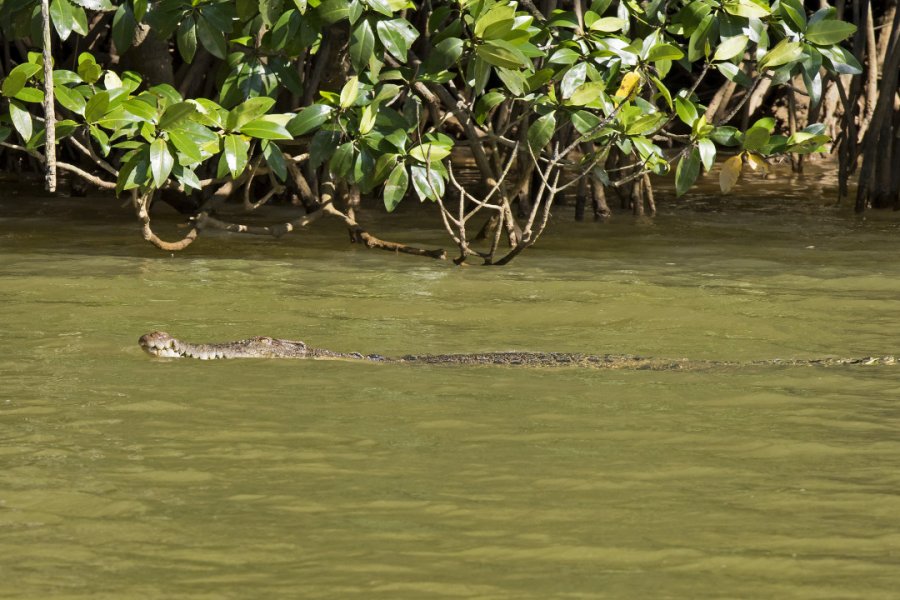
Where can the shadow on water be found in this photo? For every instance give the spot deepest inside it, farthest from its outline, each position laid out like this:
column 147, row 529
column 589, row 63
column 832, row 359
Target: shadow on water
column 122, row 476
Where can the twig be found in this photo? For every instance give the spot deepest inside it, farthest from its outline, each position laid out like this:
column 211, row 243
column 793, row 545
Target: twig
column 88, row 151
column 100, row 183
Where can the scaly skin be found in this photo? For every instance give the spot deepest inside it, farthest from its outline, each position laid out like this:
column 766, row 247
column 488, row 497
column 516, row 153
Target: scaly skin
column 161, row 344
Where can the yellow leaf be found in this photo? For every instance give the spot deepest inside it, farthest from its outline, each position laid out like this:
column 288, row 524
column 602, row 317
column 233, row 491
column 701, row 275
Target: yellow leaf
column 629, row 87
column 757, row 162
column 731, row 172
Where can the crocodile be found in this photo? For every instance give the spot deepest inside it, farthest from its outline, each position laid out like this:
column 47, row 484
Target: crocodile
column 161, row 344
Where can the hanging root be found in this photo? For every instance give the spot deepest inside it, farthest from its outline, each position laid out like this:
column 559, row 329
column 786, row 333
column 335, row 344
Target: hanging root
column 142, row 207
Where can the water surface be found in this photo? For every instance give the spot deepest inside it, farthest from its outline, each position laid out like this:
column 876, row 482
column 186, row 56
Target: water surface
column 122, row 476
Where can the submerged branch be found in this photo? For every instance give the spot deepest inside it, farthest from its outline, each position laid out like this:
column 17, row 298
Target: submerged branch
column 358, row 234
column 204, row 221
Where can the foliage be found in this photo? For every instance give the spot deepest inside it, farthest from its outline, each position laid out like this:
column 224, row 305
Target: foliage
column 539, row 99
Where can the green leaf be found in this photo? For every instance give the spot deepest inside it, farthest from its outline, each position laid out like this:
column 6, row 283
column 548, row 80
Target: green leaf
column 784, row 52
column 587, row 93
column 332, row 11
column 842, row 60
column 645, row 124
column 664, row 52
column 136, row 171
column 767, row 123
column 541, row 131
column 270, row 10
column 140, row 109
column 826, row 33
column 104, row 5
column 564, row 56
column 501, row 53
column 687, row 172
column 572, row 80
column 187, row 177
column 21, row 119
column 584, row 122
column 140, row 9
column 485, row 103
column 88, row 68
column 687, row 110
column 795, row 12
column 62, row 77
column 96, row 107
column 746, row 8
column 30, row 94
column 101, row 138
column 383, row 167
column 322, row 147
column 161, row 162
column 755, row 138
column 17, row 78
column 187, row 39
column 382, row 6
column 430, row 152
column 266, row 128
column 812, row 77
column 123, row 27
column 663, row 91
column 65, row 128
column 395, row 188
column 362, row 45
column 62, row 14
column 212, row 39
column 608, row 24
column 247, row 111
column 275, row 160
column 80, row 20
column 367, row 120
column 807, row 138
column 725, row 135
column 349, row 92
column 363, row 166
column 697, row 44
column 387, row 91
column 397, row 35
column 341, row 163
column 70, row 99
column 209, row 113
column 175, row 114
column 513, row 80
column 732, row 72
column 499, row 13
column 732, row 47
column 427, row 182
column 311, row 117
column 444, row 55
column 186, row 146
column 235, row 149
column 707, row 153
column 499, row 30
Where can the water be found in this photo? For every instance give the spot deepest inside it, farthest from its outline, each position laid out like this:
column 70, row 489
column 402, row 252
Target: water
column 126, row 477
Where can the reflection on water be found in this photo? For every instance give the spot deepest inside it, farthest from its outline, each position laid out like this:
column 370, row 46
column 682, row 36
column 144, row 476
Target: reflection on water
column 128, row 477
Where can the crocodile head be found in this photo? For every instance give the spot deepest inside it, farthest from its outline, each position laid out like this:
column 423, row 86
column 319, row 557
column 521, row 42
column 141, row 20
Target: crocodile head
column 160, row 343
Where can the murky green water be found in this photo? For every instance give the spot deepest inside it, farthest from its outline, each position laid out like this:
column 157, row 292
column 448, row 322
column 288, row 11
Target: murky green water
column 126, row 477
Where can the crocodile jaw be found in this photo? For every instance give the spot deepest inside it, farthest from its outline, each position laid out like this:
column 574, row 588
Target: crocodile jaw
column 161, row 344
